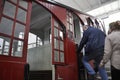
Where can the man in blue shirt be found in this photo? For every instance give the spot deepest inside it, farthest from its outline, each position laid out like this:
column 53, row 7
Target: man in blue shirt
column 93, row 41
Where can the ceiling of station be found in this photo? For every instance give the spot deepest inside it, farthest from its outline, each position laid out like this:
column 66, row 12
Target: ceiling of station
column 106, row 10
column 92, row 7
column 88, row 5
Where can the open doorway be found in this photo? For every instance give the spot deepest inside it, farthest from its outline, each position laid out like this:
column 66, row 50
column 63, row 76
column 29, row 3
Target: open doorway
column 77, row 29
column 78, row 33
column 39, row 55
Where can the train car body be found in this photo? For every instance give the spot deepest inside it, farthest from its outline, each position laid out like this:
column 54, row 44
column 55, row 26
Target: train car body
column 49, row 56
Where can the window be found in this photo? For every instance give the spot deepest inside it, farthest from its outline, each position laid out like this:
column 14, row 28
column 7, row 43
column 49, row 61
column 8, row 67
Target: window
column 70, row 26
column 58, row 43
column 17, row 48
column 6, row 26
column 34, row 41
column 89, row 21
column 4, row 45
column 12, row 27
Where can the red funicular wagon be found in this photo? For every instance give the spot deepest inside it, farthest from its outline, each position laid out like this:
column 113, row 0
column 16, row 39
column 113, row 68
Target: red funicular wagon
column 51, row 53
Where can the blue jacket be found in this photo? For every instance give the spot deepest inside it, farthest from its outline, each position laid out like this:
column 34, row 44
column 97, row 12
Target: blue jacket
column 93, row 39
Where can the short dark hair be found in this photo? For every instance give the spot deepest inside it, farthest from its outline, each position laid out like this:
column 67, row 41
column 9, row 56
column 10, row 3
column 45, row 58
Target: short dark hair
column 114, row 26
column 117, row 25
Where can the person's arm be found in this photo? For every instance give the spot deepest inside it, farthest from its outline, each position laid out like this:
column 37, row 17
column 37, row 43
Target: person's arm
column 83, row 41
column 107, row 52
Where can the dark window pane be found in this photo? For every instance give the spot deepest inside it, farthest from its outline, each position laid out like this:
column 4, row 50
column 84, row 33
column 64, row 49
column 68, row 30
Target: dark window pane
column 9, row 9
column 6, row 26
column 23, row 4
column 19, row 31
column 21, row 16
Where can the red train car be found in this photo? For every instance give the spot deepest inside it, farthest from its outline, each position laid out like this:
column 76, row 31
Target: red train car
column 51, row 53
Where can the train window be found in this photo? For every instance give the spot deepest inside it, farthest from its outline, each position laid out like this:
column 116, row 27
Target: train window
column 6, row 26
column 4, row 45
column 19, row 31
column 17, row 48
column 21, row 16
column 70, row 26
column 61, row 35
column 9, row 9
column 62, row 57
column 15, row 1
column 101, row 23
column 55, row 32
column 97, row 24
column 56, row 56
column 78, row 23
column 23, row 4
column 89, row 21
column 70, row 35
column 55, row 24
column 61, row 46
column 34, row 41
column 58, row 43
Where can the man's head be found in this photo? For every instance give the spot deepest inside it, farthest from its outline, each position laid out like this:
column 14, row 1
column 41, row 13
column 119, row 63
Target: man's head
column 114, row 26
column 85, row 27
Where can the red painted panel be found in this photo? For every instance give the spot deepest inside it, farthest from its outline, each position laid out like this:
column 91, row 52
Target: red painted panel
column 81, row 16
column 11, row 71
column 68, row 72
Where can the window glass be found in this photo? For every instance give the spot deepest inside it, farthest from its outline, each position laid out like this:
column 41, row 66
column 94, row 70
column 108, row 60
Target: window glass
column 61, row 57
column 67, row 18
column 4, row 45
column 31, row 40
column 71, row 28
column 55, row 32
column 71, row 20
column 70, row 35
column 68, row 26
column 50, row 38
column 21, row 16
column 17, row 48
column 56, row 56
column 15, row 1
column 23, row 4
column 19, row 31
column 9, row 9
column 61, row 45
column 61, row 35
column 6, row 26
column 56, row 44
column 34, row 41
column 69, row 14
column 38, row 42
column 55, row 24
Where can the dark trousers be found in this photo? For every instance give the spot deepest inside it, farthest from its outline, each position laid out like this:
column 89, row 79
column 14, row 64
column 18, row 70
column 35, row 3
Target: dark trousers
column 115, row 73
